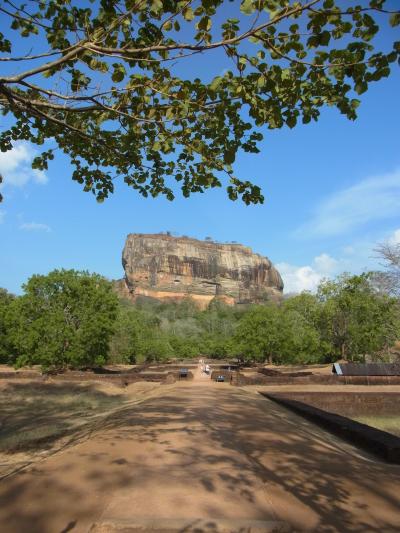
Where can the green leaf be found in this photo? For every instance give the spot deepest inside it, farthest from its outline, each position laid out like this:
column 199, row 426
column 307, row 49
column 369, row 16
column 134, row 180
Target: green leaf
column 361, row 87
column 324, row 38
column 204, row 23
column 215, row 83
column 247, row 7
column 229, row 156
column 168, row 25
column 119, row 73
column 188, row 14
column 291, row 121
column 394, row 19
column 156, row 6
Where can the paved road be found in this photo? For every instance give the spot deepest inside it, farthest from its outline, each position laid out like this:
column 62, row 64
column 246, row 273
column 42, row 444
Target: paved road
column 212, row 458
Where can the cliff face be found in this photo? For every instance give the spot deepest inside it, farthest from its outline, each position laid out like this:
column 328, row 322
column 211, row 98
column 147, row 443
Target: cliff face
column 162, row 266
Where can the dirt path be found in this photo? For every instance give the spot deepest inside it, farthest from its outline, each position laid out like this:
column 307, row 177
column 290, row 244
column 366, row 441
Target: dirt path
column 212, row 458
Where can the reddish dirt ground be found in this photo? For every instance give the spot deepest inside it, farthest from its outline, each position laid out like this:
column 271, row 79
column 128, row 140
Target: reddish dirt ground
column 208, row 458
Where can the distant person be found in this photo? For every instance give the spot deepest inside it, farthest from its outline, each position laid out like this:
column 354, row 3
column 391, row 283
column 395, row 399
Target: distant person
column 208, row 368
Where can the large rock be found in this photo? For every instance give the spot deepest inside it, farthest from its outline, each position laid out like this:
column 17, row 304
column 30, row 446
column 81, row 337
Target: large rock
column 161, row 266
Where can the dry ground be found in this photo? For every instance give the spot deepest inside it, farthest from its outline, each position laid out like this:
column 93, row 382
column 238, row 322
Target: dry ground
column 203, row 457
column 40, row 418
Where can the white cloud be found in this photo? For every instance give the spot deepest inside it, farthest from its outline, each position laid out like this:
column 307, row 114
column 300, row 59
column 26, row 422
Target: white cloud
column 357, row 257
column 35, row 226
column 308, row 277
column 326, row 264
column 15, row 166
column 298, row 279
column 395, row 237
column 374, row 198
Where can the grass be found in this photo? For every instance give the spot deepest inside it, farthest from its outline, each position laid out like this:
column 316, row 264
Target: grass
column 34, row 415
column 389, row 423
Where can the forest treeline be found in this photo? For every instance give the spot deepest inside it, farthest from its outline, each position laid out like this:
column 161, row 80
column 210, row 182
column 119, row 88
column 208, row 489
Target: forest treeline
column 71, row 319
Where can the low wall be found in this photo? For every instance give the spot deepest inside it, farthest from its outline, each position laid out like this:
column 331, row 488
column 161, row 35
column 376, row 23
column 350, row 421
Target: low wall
column 350, row 403
column 302, row 379
column 226, row 373
column 383, row 444
column 121, row 379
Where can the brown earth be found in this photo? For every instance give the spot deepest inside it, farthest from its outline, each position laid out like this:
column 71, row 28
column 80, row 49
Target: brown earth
column 204, row 457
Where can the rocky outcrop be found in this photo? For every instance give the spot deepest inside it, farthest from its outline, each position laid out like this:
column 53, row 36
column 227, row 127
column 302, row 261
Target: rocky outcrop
column 162, row 266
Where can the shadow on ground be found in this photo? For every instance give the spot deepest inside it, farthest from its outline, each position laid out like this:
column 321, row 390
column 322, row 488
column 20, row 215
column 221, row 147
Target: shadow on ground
column 34, row 415
column 205, row 453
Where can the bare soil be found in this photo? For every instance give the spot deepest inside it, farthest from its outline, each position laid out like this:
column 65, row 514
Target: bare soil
column 38, row 419
column 203, row 456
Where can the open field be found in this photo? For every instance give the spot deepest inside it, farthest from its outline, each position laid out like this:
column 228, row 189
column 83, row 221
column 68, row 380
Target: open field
column 33, row 415
column 38, row 419
column 391, row 424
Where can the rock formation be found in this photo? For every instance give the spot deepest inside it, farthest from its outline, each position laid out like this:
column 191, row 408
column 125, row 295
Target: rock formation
column 162, row 266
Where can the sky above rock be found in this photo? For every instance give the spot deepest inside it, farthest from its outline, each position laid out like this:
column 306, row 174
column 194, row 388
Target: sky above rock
column 332, row 192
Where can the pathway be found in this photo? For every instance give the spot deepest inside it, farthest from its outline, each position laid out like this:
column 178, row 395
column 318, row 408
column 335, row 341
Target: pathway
column 214, row 459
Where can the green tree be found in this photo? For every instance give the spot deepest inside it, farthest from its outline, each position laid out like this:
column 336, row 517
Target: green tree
column 311, row 310
column 184, row 347
column 258, row 334
column 299, row 339
column 6, row 347
column 357, row 319
column 126, row 341
column 64, row 319
column 103, row 82
column 154, row 348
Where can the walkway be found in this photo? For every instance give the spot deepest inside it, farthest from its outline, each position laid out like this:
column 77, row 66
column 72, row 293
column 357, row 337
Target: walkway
column 213, row 458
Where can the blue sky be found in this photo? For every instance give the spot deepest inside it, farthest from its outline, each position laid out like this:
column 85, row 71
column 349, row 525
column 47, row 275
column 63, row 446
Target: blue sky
column 332, row 192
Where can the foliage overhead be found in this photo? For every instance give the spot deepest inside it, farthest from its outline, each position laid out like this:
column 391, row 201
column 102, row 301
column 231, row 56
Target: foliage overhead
column 103, row 82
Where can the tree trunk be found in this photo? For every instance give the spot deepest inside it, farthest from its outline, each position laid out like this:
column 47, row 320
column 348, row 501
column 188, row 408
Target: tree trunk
column 270, row 362
column 343, row 351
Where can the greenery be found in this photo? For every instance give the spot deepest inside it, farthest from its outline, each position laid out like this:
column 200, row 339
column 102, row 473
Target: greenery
column 355, row 318
column 6, row 347
column 71, row 319
column 103, row 82
column 64, row 319
column 347, row 318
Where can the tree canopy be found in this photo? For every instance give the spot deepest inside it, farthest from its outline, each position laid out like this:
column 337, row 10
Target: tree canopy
column 6, row 348
column 70, row 319
column 63, row 319
column 104, row 81
column 355, row 318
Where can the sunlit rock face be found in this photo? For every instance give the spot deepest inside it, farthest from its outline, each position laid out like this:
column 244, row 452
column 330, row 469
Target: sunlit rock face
column 162, row 266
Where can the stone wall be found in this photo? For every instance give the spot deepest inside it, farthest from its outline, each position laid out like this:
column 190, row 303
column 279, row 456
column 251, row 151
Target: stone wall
column 261, row 379
column 381, row 443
